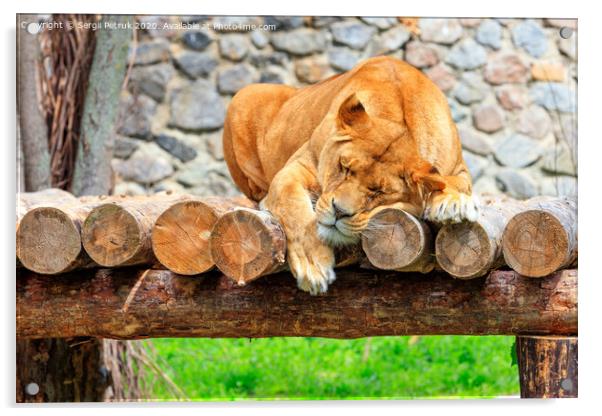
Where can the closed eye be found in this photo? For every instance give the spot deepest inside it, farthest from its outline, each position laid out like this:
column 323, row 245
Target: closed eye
column 375, row 190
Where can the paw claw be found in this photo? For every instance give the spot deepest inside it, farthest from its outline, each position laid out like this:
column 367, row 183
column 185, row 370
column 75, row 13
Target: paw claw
column 452, row 208
column 312, row 267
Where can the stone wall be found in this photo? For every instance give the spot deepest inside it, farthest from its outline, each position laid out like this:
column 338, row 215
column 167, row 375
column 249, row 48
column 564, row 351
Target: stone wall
column 511, row 85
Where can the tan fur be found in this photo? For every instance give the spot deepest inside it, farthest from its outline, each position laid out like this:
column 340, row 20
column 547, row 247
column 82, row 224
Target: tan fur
column 377, row 135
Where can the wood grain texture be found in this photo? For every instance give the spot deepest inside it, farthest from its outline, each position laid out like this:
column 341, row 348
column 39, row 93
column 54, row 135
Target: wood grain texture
column 547, row 366
column 543, row 238
column 139, row 303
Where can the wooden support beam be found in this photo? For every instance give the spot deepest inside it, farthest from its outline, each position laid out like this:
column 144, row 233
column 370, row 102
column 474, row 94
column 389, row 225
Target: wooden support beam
column 543, row 238
column 180, row 236
column 547, row 366
column 134, row 303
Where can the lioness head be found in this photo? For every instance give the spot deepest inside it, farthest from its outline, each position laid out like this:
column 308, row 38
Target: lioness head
column 369, row 162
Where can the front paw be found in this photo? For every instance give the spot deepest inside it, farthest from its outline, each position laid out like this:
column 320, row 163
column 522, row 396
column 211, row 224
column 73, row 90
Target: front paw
column 312, row 264
column 451, row 207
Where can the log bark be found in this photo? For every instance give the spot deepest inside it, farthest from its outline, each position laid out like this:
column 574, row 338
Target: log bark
column 92, row 174
column 118, row 233
column 396, row 240
column 32, row 129
column 547, row 366
column 543, row 238
column 47, row 197
column 134, row 303
column 180, row 236
column 471, row 249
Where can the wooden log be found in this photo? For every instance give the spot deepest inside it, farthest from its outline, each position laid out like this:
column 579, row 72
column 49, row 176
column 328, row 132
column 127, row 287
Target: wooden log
column 543, row 238
column 247, row 243
column 180, row 236
column 118, row 233
column 396, row 240
column 49, row 234
column 471, row 249
column 133, row 303
column 547, row 366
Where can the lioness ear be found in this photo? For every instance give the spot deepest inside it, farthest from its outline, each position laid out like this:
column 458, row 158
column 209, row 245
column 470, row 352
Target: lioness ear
column 351, row 113
column 427, row 176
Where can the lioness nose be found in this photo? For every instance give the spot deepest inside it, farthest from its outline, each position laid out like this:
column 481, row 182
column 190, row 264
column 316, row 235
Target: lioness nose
column 338, row 212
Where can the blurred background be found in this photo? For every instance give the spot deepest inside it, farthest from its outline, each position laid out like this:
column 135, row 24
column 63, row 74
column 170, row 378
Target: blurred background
column 512, row 89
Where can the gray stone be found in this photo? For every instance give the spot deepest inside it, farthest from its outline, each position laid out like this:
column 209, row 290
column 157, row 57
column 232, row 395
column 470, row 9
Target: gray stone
column 168, row 185
column 303, row 41
column 342, row 58
column 259, row 39
column 311, row 69
column 215, row 184
column 534, row 122
column 234, row 23
column 215, row 145
column 470, row 21
column 531, row 37
column 149, row 52
column 561, row 159
column 420, row 55
column 129, row 189
column 518, row 151
column 444, row 31
column 323, row 21
column 389, row 41
column 475, row 164
column 474, row 141
column 196, row 64
column 559, row 186
column 442, row 76
column 471, row 89
column 512, row 96
column 485, row 185
column 380, row 22
column 516, row 184
column 488, row 118
column 274, row 75
column 194, row 173
column 156, row 27
column 565, row 129
column 568, row 46
column 232, row 79
column 151, row 80
column 175, row 147
column 197, row 40
column 489, row 34
column 124, row 147
column 467, row 54
column 145, row 166
column 233, row 46
column 284, row 22
column 554, row 96
column 136, row 116
column 261, row 60
column 506, row 68
column 197, row 106
column 354, row 34
column 560, row 23
column 458, row 112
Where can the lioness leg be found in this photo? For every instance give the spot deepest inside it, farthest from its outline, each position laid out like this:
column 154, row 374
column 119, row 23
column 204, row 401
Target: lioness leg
column 455, row 203
column 289, row 199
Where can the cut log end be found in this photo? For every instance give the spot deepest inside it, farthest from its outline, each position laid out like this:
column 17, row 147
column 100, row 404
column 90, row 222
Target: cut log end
column 246, row 244
column 535, row 243
column 48, row 241
column 464, row 250
column 180, row 237
column 394, row 239
column 111, row 235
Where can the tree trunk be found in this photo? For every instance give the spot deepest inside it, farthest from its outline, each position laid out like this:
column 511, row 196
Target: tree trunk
column 543, row 238
column 93, row 174
column 32, row 127
column 180, row 236
column 547, row 366
column 471, row 249
column 135, row 303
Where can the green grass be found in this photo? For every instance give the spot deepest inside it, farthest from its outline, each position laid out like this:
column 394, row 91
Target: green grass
column 318, row 368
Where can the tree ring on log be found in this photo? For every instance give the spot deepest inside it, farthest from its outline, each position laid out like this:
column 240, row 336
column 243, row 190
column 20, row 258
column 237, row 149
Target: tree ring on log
column 48, row 241
column 464, row 249
column 535, row 243
column 180, row 237
column 111, row 235
column 393, row 239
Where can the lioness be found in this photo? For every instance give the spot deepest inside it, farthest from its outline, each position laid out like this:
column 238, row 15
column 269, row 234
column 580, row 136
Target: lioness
column 322, row 159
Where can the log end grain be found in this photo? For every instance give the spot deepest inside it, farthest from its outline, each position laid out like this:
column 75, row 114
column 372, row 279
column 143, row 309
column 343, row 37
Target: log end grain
column 246, row 244
column 464, row 250
column 111, row 235
column 180, row 237
column 394, row 239
column 48, row 241
column 535, row 243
